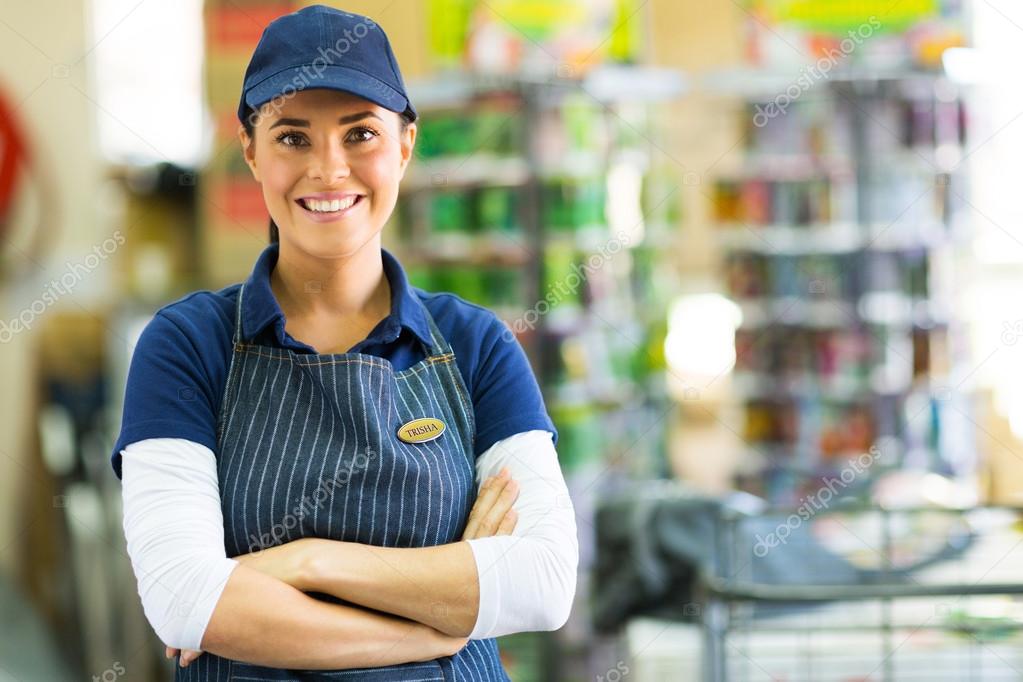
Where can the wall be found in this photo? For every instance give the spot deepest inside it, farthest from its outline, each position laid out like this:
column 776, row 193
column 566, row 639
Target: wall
column 44, row 67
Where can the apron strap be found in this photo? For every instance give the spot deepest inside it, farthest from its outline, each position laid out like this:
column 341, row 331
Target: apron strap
column 440, row 344
column 238, row 316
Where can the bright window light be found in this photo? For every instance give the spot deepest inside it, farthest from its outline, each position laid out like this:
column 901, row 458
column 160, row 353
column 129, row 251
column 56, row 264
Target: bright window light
column 701, row 336
column 147, row 65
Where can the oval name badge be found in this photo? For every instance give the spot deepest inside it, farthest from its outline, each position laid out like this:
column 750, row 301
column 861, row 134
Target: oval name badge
column 421, row 430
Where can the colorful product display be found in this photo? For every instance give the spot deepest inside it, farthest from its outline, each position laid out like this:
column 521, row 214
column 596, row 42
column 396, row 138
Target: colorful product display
column 573, row 203
column 530, row 245
column 845, row 276
column 490, row 286
column 516, row 36
column 765, row 202
column 781, row 33
column 487, row 129
column 843, row 342
column 811, row 431
column 814, row 358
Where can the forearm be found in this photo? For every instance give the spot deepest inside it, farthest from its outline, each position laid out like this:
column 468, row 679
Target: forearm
column 284, row 628
column 485, row 587
column 436, row 586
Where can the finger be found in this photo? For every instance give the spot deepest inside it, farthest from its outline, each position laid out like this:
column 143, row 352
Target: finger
column 486, row 499
column 484, row 502
column 492, row 519
column 508, row 523
column 171, row 652
column 189, row 655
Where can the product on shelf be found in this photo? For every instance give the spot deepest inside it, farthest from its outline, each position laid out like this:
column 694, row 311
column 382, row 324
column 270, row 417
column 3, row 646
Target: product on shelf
column 772, row 202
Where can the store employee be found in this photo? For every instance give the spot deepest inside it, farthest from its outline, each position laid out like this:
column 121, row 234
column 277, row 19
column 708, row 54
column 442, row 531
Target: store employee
column 326, row 428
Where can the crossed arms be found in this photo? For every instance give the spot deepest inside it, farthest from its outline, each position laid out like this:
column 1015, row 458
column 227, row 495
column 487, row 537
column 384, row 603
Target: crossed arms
column 513, row 570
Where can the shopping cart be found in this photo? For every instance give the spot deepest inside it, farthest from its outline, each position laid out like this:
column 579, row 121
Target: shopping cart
column 864, row 594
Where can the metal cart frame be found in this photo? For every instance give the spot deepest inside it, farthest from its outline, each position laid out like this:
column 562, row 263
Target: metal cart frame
column 720, row 591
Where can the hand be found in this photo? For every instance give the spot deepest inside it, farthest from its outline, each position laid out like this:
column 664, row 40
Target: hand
column 187, row 656
column 492, row 514
column 442, row 644
column 289, row 563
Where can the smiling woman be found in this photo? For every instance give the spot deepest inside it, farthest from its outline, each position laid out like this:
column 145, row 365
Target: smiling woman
column 325, row 468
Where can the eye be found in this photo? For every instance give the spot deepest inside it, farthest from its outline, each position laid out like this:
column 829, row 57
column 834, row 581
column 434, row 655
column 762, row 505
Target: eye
column 290, row 138
column 361, row 134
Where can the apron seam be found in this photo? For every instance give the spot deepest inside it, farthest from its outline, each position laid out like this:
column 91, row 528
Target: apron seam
column 420, row 366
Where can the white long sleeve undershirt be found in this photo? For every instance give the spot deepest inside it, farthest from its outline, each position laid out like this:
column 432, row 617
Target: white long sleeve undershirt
column 173, row 525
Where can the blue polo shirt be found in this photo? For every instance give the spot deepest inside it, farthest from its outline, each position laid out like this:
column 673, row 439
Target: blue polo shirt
column 179, row 367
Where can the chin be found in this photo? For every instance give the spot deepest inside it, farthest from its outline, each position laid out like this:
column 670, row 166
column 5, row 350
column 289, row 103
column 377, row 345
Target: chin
column 335, row 243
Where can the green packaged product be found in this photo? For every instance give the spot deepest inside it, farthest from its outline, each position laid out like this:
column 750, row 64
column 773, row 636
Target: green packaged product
column 450, row 212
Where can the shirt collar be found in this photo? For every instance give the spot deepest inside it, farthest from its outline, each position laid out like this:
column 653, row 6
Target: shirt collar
column 260, row 308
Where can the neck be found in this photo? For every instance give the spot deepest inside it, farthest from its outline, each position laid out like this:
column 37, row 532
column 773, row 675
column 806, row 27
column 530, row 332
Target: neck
column 351, row 286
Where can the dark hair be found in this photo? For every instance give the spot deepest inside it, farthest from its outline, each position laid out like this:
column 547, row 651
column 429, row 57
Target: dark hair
column 249, row 126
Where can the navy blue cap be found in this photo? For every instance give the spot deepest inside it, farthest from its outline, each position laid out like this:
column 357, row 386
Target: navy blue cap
column 323, row 47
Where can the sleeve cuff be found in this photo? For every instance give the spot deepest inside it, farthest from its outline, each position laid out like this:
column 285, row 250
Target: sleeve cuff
column 158, row 428
column 488, row 553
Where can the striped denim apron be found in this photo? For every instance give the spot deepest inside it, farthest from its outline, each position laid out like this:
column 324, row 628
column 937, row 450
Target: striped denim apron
column 308, row 448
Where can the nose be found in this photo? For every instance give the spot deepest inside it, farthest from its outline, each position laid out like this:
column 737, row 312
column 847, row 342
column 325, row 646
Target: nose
column 329, row 165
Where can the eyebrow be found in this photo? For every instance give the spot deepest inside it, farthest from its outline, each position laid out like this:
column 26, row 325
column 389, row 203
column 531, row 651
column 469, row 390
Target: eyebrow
column 302, row 123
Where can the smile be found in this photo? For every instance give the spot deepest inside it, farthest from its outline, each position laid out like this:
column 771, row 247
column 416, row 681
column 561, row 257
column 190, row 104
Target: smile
column 321, row 211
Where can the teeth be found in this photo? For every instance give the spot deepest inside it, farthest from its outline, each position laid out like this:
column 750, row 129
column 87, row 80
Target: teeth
column 329, row 206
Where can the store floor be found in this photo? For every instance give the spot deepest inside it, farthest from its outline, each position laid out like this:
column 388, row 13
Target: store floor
column 27, row 652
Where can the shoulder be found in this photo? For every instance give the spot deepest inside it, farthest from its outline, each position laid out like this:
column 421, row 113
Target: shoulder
column 195, row 329
column 178, row 371
column 483, row 344
column 478, row 337
column 457, row 317
column 202, row 312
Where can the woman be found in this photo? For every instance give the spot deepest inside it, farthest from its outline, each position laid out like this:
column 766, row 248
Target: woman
column 325, row 468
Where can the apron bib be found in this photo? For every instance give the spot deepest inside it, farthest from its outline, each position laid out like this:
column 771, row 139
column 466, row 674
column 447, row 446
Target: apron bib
column 308, row 447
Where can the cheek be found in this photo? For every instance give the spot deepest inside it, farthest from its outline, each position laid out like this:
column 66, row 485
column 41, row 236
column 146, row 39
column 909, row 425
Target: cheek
column 279, row 177
column 381, row 174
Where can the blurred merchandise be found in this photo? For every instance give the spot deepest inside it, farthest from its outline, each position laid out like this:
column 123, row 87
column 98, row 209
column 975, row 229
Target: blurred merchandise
column 837, row 235
column 867, row 32
column 524, row 36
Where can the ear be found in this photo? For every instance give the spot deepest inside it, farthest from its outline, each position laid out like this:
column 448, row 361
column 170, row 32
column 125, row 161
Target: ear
column 408, row 143
column 248, row 150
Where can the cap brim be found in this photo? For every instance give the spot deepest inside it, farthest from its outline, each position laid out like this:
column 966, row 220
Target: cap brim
column 330, row 77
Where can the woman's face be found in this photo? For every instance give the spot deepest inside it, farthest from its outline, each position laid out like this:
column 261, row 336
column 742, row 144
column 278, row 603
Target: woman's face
column 329, row 163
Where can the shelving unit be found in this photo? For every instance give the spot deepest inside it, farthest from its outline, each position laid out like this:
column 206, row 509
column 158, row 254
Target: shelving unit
column 837, row 237
column 519, row 185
